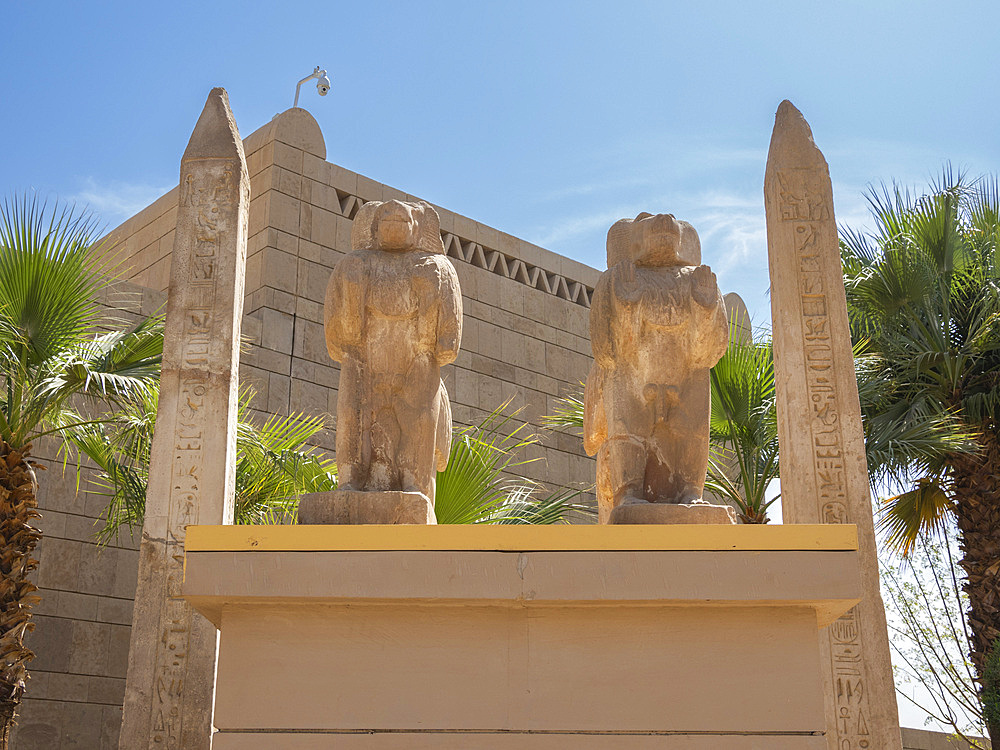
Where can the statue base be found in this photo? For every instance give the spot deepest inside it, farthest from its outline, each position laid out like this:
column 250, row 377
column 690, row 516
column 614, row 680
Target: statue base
column 351, row 507
column 366, row 635
column 655, row 513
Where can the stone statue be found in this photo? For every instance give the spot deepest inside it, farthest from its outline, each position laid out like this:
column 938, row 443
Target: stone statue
column 393, row 318
column 657, row 326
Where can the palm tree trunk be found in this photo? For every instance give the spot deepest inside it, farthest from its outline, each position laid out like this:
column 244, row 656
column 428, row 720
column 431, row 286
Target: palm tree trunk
column 18, row 537
column 977, row 509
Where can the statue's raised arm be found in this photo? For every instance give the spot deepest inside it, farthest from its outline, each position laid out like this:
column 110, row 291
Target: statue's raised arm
column 449, row 325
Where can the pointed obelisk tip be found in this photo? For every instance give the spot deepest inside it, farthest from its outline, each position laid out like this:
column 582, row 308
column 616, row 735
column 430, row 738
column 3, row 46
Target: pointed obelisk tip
column 788, row 118
column 215, row 135
column 786, row 109
column 792, row 137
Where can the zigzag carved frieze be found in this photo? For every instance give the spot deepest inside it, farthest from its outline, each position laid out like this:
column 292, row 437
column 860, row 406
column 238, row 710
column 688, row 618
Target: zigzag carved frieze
column 494, row 261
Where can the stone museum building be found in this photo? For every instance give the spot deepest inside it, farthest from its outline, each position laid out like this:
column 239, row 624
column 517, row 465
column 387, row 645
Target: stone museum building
column 524, row 337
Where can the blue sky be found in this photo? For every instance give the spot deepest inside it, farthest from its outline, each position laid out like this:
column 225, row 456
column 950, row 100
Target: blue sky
column 548, row 120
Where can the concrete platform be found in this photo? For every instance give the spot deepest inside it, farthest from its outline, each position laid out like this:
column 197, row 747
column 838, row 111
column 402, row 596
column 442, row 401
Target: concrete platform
column 387, row 638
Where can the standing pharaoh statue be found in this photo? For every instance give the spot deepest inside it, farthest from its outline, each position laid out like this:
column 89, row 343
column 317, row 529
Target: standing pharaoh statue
column 393, row 319
column 657, row 326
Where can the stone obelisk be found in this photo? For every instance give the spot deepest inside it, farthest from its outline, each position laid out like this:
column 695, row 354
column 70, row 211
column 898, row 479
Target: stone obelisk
column 171, row 673
column 824, row 476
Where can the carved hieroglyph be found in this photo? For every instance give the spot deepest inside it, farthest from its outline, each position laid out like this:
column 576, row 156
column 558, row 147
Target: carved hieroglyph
column 657, row 325
column 393, row 319
column 824, row 476
column 172, row 656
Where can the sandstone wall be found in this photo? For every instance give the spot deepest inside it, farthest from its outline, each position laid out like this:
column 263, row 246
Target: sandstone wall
column 525, row 337
column 526, row 309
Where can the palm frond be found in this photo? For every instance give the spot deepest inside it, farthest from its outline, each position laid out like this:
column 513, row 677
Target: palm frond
column 924, row 288
column 50, row 273
column 117, row 366
column 51, row 347
column 480, row 484
column 920, row 511
column 274, row 463
column 568, row 413
column 523, row 506
column 743, row 460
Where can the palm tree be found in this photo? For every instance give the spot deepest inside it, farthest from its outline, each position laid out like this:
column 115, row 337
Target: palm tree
column 923, row 292
column 744, row 428
column 52, row 349
column 274, row 463
column 481, row 485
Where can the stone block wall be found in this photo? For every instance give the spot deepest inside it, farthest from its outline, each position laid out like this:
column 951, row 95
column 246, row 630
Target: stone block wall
column 526, row 309
column 525, row 336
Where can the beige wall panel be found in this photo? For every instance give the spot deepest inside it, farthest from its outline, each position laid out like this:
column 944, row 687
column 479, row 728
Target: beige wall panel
column 922, row 739
column 559, row 668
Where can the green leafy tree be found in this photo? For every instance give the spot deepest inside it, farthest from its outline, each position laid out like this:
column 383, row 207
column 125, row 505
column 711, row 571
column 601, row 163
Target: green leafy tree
column 929, row 637
column 57, row 359
column 923, row 293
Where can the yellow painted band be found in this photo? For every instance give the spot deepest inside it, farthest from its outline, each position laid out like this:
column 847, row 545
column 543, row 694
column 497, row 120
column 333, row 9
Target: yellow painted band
column 558, row 538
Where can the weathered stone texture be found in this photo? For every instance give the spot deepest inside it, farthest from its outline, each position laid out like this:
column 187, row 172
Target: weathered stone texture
column 819, row 423
column 170, row 682
column 353, row 507
column 657, row 326
column 392, row 319
column 526, row 309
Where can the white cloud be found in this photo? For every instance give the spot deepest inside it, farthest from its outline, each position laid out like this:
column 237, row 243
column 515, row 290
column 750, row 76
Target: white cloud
column 732, row 239
column 569, row 228
column 728, row 199
column 114, row 202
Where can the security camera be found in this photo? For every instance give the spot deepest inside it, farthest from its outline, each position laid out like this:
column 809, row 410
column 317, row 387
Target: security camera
column 322, row 84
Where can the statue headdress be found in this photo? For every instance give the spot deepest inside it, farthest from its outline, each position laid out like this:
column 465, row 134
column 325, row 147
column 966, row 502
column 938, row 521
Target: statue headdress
column 620, row 241
column 430, row 227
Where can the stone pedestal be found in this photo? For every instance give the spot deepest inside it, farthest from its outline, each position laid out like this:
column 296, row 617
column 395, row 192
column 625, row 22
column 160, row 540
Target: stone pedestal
column 642, row 513
column 351, row 508
column 502, row 637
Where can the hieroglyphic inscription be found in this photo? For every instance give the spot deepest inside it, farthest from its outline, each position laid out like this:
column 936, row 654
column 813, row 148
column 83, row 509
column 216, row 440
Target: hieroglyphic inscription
column 202, row 199
column 804, row 211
